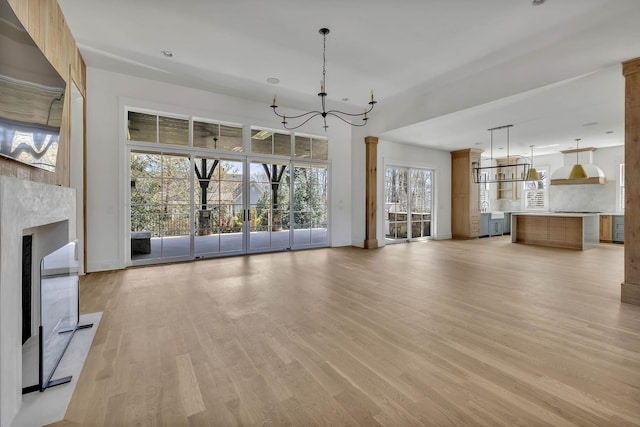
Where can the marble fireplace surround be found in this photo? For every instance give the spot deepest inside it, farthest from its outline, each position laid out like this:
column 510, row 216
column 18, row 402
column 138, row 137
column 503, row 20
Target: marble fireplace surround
column 49, row 213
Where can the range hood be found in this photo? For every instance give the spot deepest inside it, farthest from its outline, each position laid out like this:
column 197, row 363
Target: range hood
column 595, row 175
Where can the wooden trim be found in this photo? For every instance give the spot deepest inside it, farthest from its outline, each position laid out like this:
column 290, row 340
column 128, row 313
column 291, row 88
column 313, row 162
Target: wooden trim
column 579, row 150
column 371, row 241
column 630, row 293
column 631, row 66
column 45, row 23
column 631, row 286
column 593, row 180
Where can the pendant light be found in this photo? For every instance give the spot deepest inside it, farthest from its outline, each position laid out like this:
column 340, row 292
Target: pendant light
column 532, row 174
column 514, row 169
column 577, row 171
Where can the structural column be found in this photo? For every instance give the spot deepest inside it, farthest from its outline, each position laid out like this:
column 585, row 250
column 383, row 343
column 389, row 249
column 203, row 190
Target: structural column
column 631, row 285
column 371, row 242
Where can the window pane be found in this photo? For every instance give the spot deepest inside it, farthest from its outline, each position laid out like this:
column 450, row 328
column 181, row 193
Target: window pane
column 320, row 149
column 535, row 192
column 230, row 138
column 173, row 131
column 282, row 144
column 205, row 135
column 142, row 127
column 303, row 147
column 261, row 142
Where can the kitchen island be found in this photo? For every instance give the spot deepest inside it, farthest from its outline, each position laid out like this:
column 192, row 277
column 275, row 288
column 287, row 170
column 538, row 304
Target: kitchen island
column 579, row 231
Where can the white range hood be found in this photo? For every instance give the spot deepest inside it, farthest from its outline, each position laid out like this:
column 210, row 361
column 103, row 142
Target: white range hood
column 595, row 175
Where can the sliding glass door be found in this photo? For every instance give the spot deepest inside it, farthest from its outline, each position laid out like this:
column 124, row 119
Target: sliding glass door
column 269, row 201
column 218, row 207
column 160, row 206
column 309, row 205
column 408, row 203
column 199, row 189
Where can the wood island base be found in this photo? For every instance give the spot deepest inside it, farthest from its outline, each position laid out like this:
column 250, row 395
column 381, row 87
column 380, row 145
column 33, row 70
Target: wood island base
column 559, row 230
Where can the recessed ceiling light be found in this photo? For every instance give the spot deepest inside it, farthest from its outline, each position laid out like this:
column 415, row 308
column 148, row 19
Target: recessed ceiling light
column 167, row 53
column 537, row 2
column 477, row 143
column 273, row 80
column 590, row 124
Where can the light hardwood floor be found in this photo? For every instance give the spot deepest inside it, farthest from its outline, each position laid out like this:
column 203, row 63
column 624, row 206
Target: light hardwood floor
column 481, row 332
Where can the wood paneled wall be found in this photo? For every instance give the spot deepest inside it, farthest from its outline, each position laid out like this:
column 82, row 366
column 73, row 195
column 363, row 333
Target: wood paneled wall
column 45, row 22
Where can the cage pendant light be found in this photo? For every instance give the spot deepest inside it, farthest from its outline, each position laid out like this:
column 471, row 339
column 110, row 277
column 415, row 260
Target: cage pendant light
column 577, row 171
column 532, row 174
column 513, row 170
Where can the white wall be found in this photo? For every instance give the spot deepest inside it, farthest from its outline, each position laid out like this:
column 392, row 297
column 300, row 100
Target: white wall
column 108, row 92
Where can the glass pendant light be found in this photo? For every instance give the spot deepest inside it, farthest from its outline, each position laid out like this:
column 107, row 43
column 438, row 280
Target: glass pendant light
column 532, row 174
column 577, row 171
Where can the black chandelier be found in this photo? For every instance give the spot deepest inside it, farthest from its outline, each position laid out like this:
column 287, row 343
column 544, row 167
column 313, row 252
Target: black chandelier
column 323, row 94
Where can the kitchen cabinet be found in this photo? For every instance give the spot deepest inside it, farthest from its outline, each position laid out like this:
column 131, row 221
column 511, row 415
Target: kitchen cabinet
column 606, row 228
column 506, row 227
column 495, row 227
column 465, row 194
column 485, row 217
column 507, row 190
column 618, row 228
column 491, row 226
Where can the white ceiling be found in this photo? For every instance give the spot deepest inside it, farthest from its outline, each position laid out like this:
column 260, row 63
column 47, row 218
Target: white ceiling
column 555, row 67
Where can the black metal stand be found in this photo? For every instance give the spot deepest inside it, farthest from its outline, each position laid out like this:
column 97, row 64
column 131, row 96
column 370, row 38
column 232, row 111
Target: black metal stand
column 59, row 381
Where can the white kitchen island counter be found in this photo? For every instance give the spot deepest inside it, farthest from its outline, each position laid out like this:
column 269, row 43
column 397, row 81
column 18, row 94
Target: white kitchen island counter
column 561, row 230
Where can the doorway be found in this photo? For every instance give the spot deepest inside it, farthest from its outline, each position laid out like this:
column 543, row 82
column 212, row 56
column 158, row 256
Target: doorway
column 408, row 204
column 185, row 207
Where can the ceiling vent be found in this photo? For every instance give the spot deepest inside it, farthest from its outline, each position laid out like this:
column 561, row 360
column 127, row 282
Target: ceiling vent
column 595, row 175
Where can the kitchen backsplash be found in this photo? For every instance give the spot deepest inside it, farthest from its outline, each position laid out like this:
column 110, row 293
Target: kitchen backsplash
column 585, row 197
column 582, row 198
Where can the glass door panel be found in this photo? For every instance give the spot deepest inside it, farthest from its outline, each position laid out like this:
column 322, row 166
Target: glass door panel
column 396, row 220
column 269, row 199
column 310, row 205
column 218, row 206
column 160, row 206
column 421, row 185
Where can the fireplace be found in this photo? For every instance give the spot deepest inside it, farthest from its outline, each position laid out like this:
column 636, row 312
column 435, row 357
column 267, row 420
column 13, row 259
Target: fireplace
column 47, row 213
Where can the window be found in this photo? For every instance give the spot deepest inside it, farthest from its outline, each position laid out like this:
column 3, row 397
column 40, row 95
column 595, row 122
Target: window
column 311, row 148
column 535, row 192
column 269, row 142
column 143, row 127
column 621, row 186
column 217, row 136
column 484, row 193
